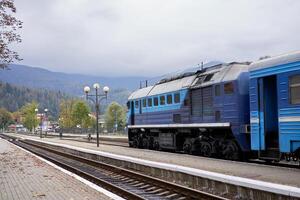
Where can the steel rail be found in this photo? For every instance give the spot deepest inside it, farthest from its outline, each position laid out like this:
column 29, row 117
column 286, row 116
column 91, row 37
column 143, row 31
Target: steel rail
column 182, row 191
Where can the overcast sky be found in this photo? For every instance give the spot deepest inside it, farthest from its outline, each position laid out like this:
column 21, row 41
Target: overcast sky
column 154, row 37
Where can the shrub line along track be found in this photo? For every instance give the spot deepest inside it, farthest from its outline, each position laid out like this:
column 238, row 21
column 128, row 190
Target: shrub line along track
column 123, row 182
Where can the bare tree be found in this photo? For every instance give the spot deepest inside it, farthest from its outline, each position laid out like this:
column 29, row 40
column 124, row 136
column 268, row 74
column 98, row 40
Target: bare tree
column 8, row 32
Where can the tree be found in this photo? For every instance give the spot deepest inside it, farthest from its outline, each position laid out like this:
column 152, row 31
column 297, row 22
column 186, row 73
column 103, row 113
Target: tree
column 29, row 118
column 17, row 116
column 8, row 32
column 65, row 115
column 5, row 118
column 74, row 112
column 13, row 97
column 115, row 114
column 80, row 114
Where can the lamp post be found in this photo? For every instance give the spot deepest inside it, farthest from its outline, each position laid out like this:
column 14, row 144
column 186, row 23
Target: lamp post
column 45, row 117
column 116, row 120
column 36, row 112
column 41, row 120
column 96, row 98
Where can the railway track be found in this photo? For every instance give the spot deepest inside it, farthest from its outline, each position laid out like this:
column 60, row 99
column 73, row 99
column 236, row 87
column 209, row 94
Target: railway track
column 125, row 183
column 292, row 165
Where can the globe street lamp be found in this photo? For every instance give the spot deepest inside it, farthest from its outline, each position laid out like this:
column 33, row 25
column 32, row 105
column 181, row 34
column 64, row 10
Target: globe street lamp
column 96, row 101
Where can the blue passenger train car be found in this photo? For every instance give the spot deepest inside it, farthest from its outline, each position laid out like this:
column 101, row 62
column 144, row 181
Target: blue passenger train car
column 275, row 107
column 204, row 112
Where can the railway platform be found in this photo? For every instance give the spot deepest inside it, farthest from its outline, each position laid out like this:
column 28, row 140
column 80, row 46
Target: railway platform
column 194, row 171
column 24, row 176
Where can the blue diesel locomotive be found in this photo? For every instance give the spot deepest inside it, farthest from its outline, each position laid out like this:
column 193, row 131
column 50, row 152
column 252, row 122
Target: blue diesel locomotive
column 207, row 112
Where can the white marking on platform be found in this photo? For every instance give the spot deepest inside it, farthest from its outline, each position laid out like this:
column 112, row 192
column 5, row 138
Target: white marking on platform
column 90, row 184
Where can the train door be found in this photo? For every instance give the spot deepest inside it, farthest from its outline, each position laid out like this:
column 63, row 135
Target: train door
column 132, row 113
column 268, row 117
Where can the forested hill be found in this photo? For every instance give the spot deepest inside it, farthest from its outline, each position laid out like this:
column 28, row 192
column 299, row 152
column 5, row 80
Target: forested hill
column 71, row 84
column 34, row 77
column 14, row 97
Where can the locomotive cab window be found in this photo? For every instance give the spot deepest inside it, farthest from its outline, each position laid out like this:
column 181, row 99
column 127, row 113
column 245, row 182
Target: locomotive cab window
column 144, row 103
column 228, row 88
column 217, row 90
column 294, row 85
column 149, row 102
column 162, row 100
column 136, row 104
column 176, row 97
column 155, row 101
column 169, row 99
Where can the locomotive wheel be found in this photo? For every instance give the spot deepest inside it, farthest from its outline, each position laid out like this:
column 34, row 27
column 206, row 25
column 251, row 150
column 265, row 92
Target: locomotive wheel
column 156, row 145
column 151, row 143
column 145, row 144
column 187, row 148
column 134, row 142
column 230, row 150
column 139, row 142
column 206, row 149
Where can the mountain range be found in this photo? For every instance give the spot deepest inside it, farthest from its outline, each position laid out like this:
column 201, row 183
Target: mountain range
column 73, row 84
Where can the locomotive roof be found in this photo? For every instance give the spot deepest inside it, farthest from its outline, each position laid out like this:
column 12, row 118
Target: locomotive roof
column 171, row 86
column 140, row 93
column 226, row 72
column 276, row 60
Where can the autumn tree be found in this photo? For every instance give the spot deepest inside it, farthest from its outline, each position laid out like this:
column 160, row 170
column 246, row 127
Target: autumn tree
column 65, row 115
column 29, row 118
column 73, row 113
column 5, row 118
column 80, row 114
column 8, row 32
column 17, row 116
column 115, row 114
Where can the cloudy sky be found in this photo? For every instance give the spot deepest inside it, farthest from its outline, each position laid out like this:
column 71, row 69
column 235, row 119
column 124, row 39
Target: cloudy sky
column 153, row 37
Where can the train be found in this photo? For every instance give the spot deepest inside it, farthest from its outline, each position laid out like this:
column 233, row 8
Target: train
column 234, row 111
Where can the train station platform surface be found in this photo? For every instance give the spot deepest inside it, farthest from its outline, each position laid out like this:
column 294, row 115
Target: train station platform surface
column 249, row 171
column 24, row 176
